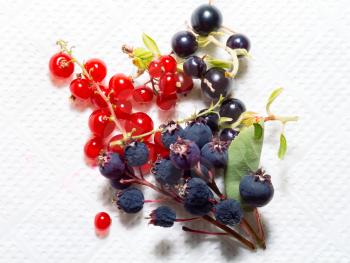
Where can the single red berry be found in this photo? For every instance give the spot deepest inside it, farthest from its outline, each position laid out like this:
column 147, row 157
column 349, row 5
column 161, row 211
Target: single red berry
column 141, row 122
column 61, row 66
column 169, row 64
column 122, row 109
column 155, row 69
column 158, row 139
column 184, row 83
column 97, row 99
column 167, row 84
column 143, row 94
column 116, row 148
column 122, row 86
column 93, row 147
column 102, row 221
column 100, row 123
column 81, row 88
column 96, row 68
column 152, row 157
column 159, row 146
column 166, row 102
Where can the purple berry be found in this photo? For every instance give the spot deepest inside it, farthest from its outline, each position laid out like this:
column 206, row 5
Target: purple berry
column 136, row 153
column 198, row 197
column 130, row 200
column 116, row 184
column 198, row 132
column 206, row 19
column 215, row 84
column 231, row 108
column 163, row 216
column 216, row 153
column 184, row 44
column 211, row 119
column 204, row 170
column 228, row 212
column 228, row 134
column 238, row 41
column 184, row 154
column 170, row 133
column 195, row 67
column 111, row 165
column 166, row 173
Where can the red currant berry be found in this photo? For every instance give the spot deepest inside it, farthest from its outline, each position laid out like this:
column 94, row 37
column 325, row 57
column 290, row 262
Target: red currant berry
column 158, row 139
column 141, row 122
column 163, row 152
column 167, row 85
column 61, row 66
column 116, row 148
column 152, row 157
column 81, row 88
column 143, row 94
column 100, row 123
column 155, row 69
column 169, row 64
column 102, row 221
column 96, row 68
column 122, row 109
column 93, row 147
column 122, row 86
column 166, row 102
column 97, row 99
column 184, row 83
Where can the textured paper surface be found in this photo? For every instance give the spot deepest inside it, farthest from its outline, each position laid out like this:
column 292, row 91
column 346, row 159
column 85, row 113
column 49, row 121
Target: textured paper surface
column 48, row 196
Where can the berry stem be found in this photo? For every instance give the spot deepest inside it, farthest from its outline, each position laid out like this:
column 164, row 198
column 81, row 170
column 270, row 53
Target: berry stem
column 216, row 189
column 259, row 223
column 186, row 219
column 250, row 231
column 227, row 30
column 195, row 231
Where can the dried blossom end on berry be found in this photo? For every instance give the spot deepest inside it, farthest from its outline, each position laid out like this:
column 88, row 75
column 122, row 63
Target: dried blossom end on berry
column 163, row 216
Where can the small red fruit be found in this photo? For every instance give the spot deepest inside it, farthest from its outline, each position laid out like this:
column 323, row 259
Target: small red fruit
column 102, row 221
column 93, row 147
column 116, row 148
column 100, row 123
column 81, row 88
column 141, row 122
column 159, row 146
column 97, row 99
column 167, row 85
column 166, row 102
column 155, row 69
column 96, row 68
column 122, row 86
column 143, row 94
column 184, row 83
column 169, row 64
column 122, row 109
column 61, row 66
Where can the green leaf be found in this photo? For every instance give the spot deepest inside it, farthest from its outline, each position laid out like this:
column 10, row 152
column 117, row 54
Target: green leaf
column 283, row 146
column 142, row 57
column 243, row 158
column 151, row 45
column 225, row 120
column 258, row 131
column 203, row 41
column 219, row 63
column 272, row 98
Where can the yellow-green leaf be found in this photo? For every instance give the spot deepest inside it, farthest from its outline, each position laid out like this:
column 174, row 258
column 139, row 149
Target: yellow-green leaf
column 283, row 146
column 219, row 63
column 272, row 98
column 258, row 131
column 151, row 45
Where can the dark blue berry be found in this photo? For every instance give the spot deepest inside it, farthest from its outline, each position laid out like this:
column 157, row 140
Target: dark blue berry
column 136, row 153
column 228, row 134
column 215, row 84
column 184, row 44
column 216, row 153
column 206, row 19
column 256, row 190
column 184, row 154
column 163, row 216
column 231, row 108
column 228, row 212
column 204, row 170
column 130, row 200
column 111, row 165
column 195, row 67
column 211, row 119
column 238, row 41
column 115, row 183
column 198, row 132
column 166, row 173
column 198, row 197
column 170, row 133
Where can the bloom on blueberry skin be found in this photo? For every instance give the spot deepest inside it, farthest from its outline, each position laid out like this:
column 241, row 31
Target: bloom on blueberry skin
column 166, row 172
column 216, row 153
column 228, row 212
column 170, row 133
column 136, row 153
column 130, row 200
column 184, row 154
column 198, row 132
column 111, row 165
column 198, row 197
column 163, row 216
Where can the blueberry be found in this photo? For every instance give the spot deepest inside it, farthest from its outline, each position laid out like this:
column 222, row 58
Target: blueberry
column 111, row 165
column 166, row 173
column 130, row 200
column 206, row 19
column 195, row 67
column 228, row 212
column 136, row 153
column 231, row 108
column 184, row 44
column 170, row 133
column 116, row 184
column 228, row 134
column 163, row 216
column 216, row 153
column 256, row 190
column 198, row 197
column 211, row 119
column 238, row 41
column 198, row 132
column 184, row 154
column 215, row 84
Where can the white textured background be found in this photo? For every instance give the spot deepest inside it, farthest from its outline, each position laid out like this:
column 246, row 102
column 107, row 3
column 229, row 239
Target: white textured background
column 48, row 196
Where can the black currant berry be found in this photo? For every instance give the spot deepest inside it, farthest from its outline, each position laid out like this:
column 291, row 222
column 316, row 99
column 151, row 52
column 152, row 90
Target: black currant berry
column 211, row 119
column 184, row 44
column 195, row 67
column 215, row 83
column 206, row 19
column 238, row 41
column 232, row 108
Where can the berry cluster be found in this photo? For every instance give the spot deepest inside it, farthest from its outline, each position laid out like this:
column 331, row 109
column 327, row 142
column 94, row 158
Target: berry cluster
column 182, row 155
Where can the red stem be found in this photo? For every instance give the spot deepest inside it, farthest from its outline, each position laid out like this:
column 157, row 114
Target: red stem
column 187, row 229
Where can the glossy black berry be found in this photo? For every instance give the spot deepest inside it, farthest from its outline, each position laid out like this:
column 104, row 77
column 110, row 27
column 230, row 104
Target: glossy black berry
column 238, row 41
column 211, row 119
column 206, row 19
column 215, row 83
column 195, row 67
column 232, row 108
column 228, row 134
column 184, row 44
